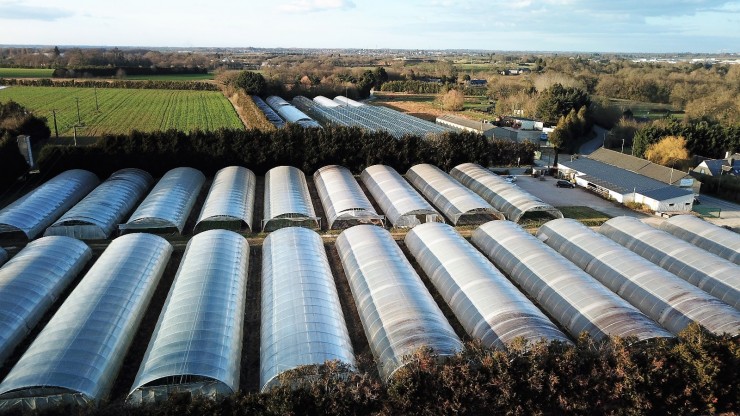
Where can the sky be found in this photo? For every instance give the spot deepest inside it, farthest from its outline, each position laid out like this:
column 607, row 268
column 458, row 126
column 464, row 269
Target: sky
column 659, row 26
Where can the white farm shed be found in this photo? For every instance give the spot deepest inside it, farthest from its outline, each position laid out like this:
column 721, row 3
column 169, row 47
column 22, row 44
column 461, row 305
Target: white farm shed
column 624, row 186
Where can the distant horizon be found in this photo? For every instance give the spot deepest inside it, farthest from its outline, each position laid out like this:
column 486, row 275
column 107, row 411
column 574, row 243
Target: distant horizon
column 557, row 26
column 480, row 51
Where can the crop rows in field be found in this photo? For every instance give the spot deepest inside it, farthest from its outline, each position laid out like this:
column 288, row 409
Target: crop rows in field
column 25, row 73
column 121, row 110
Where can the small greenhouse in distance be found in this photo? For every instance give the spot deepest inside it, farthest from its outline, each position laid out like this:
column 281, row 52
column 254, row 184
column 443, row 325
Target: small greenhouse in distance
column 168, row 205
column 38, row 209
column 705, row 235
column 400, row 202
column 302, row 320
column 568, row 294
column 197, row 343
column 459, row 204
column 485, row 302
column 710, row 273
column 230, row 201
column 662, row 296
column 98, row 215
column 77, row 356
column 511, row 200
column 287, row 201
column 32, row 281
column 344, row 202
column 397, row 311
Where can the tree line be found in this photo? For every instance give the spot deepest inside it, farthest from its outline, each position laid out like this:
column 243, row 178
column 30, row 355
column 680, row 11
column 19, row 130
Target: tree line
column 703, row 137
column 88, row 83
column 120, row 71
column 307, row 149
column 697, row 374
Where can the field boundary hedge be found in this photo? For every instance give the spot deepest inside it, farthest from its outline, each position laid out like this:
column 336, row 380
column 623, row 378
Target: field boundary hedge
column 306, row 149
column 87, row 83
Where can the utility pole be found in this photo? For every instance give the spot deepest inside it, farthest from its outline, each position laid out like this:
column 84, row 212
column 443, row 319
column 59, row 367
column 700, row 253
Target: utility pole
column 54, row 115
column 77, row 100
column 75, row 134
column 622, row 144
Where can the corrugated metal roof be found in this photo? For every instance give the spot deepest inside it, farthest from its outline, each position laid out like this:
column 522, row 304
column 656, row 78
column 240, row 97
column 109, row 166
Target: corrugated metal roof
column 667, row 192
column 621, row 180
column 637, row 165
column 463, row 122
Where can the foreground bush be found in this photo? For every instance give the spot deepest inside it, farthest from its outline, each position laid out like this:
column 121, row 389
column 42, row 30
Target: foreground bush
column 695, row 375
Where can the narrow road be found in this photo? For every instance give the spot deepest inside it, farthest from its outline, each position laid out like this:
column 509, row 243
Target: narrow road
column 598, row 141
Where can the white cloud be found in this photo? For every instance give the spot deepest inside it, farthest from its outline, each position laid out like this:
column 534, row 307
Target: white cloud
column 312, row 6
column 16, row 10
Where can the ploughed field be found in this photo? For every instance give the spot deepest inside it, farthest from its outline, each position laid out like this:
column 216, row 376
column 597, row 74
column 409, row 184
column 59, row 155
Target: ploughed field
column 119, row 111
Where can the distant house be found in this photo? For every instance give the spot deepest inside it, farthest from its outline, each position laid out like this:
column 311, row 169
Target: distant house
column 714, row 167
column 528, row 123
column 518, row 71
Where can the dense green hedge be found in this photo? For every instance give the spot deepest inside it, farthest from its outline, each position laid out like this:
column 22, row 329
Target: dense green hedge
column 307, row 149
column 697, row 374
column 412, row 87
column 110, row 71
column 147, row 85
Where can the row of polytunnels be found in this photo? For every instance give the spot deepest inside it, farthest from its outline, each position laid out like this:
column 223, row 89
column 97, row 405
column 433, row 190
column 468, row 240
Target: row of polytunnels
column 76, row 204
column 502, row 285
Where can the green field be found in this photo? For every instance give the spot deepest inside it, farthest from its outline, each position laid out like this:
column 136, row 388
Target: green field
column 173, row 77
column 645, row 109
column 123, row 110
column 25, row 73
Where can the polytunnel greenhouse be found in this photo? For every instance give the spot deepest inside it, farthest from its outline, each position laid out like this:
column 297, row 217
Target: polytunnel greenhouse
column 76, row 357
column 710, row 273
column 397, row 312
column 32, row 281
column 344, row 202
column 459, row 204
column 302, row 320
column 271, row 115
column 705, row 235
column 344, row 101
column 487, row 304
column 514, row 202
column 197, row 343
column 400, row 202
column 290, row 113
column 287, row 201
column 98, row 215
column 662, row 296
column 168, row 205
column 564, row 291
column 230, row 201
column 325, row 102
column 38, row 209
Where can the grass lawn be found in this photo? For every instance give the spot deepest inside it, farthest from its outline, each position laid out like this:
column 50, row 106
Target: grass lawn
column 646, row 110
column 586, row 215
column 25, row 73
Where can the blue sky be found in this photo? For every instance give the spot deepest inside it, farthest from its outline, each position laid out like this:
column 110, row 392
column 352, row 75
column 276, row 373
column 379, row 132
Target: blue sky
column 532, row 25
